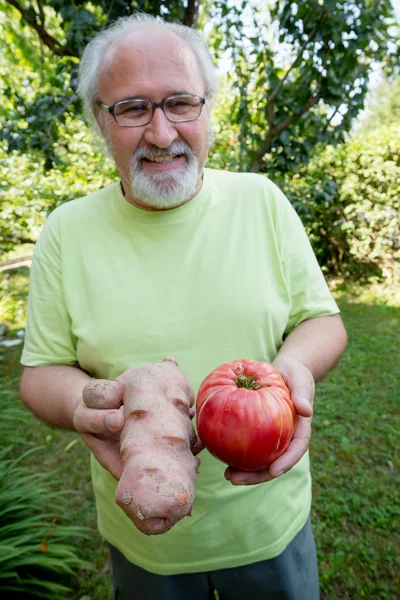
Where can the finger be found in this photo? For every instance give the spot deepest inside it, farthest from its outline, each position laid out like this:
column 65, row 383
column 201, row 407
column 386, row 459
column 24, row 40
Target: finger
column 302, row 405
column 301, row 385
column 302, row 390
column 245, row 478
column 106, row 453
column 192, row 412
column 197, row 446
column 296, row 450
column 99, row 422
column 102, row 393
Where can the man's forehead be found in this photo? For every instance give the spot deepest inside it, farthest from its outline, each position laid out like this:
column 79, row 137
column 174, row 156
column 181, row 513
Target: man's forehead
column 147, row 40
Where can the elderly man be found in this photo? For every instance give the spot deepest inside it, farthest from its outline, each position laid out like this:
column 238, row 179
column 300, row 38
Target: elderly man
column 207, row 266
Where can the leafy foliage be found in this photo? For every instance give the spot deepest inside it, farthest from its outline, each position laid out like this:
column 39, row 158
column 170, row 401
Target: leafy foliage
column 30, row 191
column 43, row 449
column 296, row 76
column 34, row 122
column 300, row 73
column 13, row 293
column 36, row 551
column 294, row 68
column 349, row 200
column 39, row 556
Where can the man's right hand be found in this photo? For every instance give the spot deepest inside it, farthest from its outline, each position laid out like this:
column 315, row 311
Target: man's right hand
column 99, row 418
column 100, row 428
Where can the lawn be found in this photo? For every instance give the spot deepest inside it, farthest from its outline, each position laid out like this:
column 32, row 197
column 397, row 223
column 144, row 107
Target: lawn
column 354, row 452
column 356, row 459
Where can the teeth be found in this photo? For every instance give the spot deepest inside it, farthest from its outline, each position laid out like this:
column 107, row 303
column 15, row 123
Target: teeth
column 162, row 159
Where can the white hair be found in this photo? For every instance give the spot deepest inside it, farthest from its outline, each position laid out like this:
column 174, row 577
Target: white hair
column 93, row 55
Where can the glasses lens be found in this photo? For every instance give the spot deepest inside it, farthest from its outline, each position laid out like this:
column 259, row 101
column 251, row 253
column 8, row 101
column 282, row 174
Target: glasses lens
column 183, row 108
column 133, row 112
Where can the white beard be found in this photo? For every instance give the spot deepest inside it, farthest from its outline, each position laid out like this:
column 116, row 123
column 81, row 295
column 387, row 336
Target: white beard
column 164, row 189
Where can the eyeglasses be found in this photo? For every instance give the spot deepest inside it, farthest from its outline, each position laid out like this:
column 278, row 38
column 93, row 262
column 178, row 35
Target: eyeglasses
column 137, row 112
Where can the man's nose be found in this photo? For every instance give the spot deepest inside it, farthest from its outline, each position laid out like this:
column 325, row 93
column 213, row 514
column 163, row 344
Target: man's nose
column 160, row 132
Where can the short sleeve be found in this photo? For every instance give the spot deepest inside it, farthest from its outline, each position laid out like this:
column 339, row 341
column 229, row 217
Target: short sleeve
column 48, row 339
column 308, row 290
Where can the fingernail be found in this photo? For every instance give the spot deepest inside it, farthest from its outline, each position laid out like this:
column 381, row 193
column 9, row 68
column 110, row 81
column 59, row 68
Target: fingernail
column 305, row 404
column 112, row 421
column 306, row 400
column 239, row 482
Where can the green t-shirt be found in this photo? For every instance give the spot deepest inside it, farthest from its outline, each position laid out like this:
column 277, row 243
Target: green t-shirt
column 220, row 278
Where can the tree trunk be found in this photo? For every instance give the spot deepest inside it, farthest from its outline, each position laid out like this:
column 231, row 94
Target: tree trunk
column 191, row 13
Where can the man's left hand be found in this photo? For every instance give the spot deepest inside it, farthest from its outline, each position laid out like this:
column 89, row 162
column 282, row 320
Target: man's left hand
column 302, row 388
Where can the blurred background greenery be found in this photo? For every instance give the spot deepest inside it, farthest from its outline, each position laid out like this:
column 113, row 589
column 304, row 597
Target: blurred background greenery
column 310, row 97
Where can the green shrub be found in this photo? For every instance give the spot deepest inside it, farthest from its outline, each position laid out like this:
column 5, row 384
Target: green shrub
column 37, row 552
column 349, row 200
column 13, row 296
column 29, row 191
column 370, row 192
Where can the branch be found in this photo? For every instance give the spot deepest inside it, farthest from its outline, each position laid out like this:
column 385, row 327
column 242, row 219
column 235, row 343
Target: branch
column 299, row 55
column 14, row 263
column 312, row 99
column 274, row 131
column 265, row 146
column 282, row 125
column 41, row 13
column 59, row 112
column 309, row 103
column 47, row 39
column 325, row 129
column 360, row 71
column 16, row 240
column 274, row 95
column 191, row 13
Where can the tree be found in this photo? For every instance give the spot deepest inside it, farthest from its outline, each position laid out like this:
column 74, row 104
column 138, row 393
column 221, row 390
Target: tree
column 282, row 104
column 50, row 39
column 47, row 155
column 297, row 74
column 301, row 73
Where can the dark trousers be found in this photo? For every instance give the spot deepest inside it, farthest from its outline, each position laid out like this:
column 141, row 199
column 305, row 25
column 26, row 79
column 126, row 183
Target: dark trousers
column 293, row 575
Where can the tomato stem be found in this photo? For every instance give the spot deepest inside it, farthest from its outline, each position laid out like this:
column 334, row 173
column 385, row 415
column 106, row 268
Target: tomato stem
column 250, row 383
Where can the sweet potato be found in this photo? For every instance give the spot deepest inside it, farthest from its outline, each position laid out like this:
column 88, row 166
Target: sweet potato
column 157, row 486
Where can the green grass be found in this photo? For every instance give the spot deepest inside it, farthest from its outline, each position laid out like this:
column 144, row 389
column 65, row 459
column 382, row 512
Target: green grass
column 355, row 455
column 354, row 451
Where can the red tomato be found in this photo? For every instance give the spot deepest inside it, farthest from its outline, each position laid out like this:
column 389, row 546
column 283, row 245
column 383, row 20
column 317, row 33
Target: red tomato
column 244, row 414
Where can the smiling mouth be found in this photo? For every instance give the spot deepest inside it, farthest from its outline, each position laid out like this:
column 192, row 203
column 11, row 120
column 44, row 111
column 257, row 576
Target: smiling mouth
column 162, row 159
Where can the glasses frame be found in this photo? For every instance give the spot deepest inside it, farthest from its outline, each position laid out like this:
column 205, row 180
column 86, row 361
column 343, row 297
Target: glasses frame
column 111, row 108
